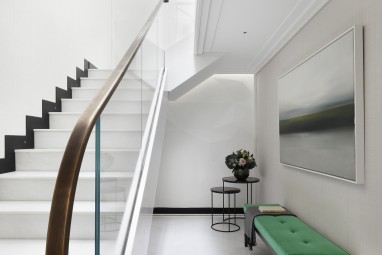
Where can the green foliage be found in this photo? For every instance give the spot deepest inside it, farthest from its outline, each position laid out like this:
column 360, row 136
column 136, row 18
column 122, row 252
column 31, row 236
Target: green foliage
column 241, row 159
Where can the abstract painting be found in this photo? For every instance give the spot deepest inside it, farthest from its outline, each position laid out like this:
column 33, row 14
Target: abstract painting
column 321, row 110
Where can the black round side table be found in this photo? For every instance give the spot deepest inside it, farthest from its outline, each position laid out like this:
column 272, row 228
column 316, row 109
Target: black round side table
column 249, row 180
column 232, row 226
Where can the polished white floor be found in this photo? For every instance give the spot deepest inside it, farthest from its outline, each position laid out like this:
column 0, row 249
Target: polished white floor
column 170, row 235
column 192, row 235
column 37, row 247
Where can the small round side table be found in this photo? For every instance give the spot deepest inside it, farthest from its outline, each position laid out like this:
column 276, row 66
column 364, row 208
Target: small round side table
column 232, row 226
column 249, row 180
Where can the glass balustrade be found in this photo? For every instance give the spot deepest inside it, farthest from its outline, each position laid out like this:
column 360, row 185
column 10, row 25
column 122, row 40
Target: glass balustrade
column 110, row 194
column 115, row 145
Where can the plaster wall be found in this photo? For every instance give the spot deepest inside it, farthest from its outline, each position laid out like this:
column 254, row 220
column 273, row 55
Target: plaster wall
column 203, row 127
column 43, row 41
column 346, row 213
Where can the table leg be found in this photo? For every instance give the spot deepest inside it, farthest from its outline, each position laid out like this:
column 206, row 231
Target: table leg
column 251, row 193
column 229, row 212
column 247, row 193
column 234, row 206
column 223, row 201
column 212, row 208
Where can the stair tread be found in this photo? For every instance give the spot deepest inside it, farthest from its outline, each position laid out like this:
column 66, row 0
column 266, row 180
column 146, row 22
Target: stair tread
column 103, row 130
column 53, row 175
column 114, row 100
column 27, row 207
column 124, row 78
column 94, row 78
column 118, row 89
column 103, row 114
column 90, row 150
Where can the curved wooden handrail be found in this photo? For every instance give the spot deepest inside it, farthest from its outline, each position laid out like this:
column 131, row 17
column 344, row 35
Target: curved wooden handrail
column 57, row 242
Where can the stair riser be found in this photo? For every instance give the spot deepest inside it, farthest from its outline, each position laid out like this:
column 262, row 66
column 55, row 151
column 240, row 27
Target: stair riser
column 112, row 189
column 112, row 107
column 50, row 139
column 130, row 122
column 34, row 226
column 104, row 74
column 125, row 83
column 123, row 94
column 50, row 160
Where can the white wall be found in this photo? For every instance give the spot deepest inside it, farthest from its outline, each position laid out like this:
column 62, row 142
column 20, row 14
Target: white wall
column 348, row 214
column 128, row 18
column 43, row 41
column 203, row 127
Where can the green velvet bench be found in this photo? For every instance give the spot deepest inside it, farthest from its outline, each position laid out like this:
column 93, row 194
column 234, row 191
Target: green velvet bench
column 286, row 235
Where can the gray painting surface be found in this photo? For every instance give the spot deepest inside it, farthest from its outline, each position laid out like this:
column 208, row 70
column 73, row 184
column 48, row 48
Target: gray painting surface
column 316, row 102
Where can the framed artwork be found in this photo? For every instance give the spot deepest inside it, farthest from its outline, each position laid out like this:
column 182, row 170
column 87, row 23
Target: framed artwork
column 321, row 110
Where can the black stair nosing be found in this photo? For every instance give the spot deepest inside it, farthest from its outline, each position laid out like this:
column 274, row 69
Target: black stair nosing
column 12, row 142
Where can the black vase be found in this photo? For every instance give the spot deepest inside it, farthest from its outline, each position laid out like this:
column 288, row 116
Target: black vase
column 241, row 174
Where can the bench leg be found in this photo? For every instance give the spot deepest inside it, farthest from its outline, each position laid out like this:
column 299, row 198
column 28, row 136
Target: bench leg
column 249, row 242
column 246, row 240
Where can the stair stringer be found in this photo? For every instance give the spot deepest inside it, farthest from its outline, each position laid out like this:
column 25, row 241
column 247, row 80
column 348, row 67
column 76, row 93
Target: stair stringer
column 12, row 142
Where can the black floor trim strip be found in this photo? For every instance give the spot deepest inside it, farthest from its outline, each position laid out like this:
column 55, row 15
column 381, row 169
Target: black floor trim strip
column 194, row 210
column 12, row 142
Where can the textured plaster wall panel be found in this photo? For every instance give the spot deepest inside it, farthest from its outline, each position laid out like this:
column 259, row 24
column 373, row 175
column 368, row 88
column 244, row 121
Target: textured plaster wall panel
column 342, row 211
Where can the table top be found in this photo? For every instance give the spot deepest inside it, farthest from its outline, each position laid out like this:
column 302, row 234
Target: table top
column 225, row 190
column 232, row 179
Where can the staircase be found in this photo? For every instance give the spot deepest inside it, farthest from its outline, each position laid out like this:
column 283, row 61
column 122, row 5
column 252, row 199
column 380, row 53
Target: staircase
column 25, row 195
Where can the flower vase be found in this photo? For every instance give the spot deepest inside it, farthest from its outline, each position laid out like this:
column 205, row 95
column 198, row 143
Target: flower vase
column 241, row 174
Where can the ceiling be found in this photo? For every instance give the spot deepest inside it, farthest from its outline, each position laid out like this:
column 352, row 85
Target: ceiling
column 249, row 32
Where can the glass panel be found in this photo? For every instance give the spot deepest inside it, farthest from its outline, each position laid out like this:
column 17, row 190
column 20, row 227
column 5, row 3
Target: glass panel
column 152, row 65
column 152, row 62
column 121, row 139
column 120, row 128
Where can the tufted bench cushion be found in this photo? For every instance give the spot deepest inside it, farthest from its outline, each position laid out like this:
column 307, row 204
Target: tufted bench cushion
column 288, row 235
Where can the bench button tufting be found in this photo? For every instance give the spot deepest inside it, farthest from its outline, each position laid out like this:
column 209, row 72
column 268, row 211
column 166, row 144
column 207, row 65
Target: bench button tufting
column 305, row 242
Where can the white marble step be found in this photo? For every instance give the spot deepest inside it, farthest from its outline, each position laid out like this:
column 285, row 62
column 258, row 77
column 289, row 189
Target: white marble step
column 110, row 139
column 114, row 106
column 39, row 185
column 105, row 73
column 125, row 83
column 29, row 219
column 67, row 120
column 130, row 74
column 50, row 159
column 37, row 247
column 119, row 94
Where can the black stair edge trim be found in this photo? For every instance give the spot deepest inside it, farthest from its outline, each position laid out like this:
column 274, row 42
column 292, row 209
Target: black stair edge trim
column 79, row 73
column 88, row 65
column 195, row 210
column 12, row 142
column 47, row 107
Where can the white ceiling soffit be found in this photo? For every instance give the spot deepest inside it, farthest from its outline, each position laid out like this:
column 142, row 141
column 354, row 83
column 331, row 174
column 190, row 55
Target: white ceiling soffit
column 250, row 31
